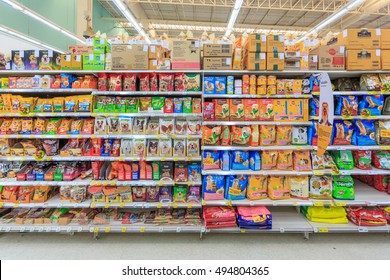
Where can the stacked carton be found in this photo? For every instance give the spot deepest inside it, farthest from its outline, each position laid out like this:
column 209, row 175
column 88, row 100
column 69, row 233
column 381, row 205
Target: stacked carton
column 130, row 57
column 159, row 58
column 101, row 52
column 217, row 56
column 327, row 58
column 185, row 55
column 35, row 60
column 385, row 49
column 275, row 52
column 255, row 49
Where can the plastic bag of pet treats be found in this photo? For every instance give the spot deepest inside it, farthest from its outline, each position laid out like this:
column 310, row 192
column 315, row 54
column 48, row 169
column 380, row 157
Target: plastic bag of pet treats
column 343, row 188
column 257, row 187
column 346, row 105
column 364, row 134
column 342, row 132
column 299, row 186
column 382, row 135
column 371, row 105
column 321, row 187
column 278, row 188
column 362, row 159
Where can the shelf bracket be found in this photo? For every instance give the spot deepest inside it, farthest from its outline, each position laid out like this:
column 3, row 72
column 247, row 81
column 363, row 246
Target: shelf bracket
column 306, row 235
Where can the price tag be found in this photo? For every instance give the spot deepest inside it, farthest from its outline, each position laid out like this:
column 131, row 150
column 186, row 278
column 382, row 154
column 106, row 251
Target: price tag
column 174, row 136
column 274, row 203
column 105, row 183
column 1, row 204
column 386, row 148
column 243, row 230
column 96, row 230
column 68, row 229
column 49, row 158
column 318, row 172
column 163, row 159
column 160, row 229
column 59, row 205
column 107, row 229
column 124, row 229
column 340, row 203
column 7, row 229
column 323, row 230
column 142, row 229
column 19, row 136
column 175, row 159
column 288, row 95
column 93, row 136
column 107, row 205
column 68, row 136
column 121, row 159
column 228, row 202
column 318, row 203
column 251, row 203
column 372, row 92
column 371, row 204
column 16, row 205
column 204, row 203
column 178, row 229
column 121, row 205
column 295, row 203
column 160, row 184
column 159, row 205
column 47, row 229
column 189, row 205
column 22, row 229
column 174, row 205
column 363, row 229
column 189, row 184
column 298, row 148
column 40, row 229
column 189, row 137
column 93, row 205
column 281, row 230
column 189, row 158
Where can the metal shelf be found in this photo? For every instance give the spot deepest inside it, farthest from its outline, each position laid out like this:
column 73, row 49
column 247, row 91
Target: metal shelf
column 256, row 123
column 89, row 72
column 257, row 148
column 46, row 90
column 145, row 205
column 105, row 136
column 256, row 96
column 144, row 228
column 148, row 93
column 347, row 228
column 380, row 117
column 76, row 182
column 360, row 148
column 148, row 114
column 71, row 114
column 356, row 93
column 364, row 196
column 99, row 158
column 45, row 228
column 283, row 221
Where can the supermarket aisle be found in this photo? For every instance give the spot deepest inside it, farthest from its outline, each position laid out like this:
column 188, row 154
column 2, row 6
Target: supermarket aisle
column 186, row 246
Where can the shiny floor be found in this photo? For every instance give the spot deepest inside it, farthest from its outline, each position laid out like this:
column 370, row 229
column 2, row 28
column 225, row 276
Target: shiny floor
column 189, row 246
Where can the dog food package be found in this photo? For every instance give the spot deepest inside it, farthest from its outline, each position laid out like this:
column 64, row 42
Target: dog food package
column 209, row 85
column 236, row 109
column 267, row 135
column 299, row 186
column 211, row 134
column 211, row 160
column 193, row 194
column 266, row 110
column 196, row 105
column 181, row 172
column 166, row 82
column 194, row 127
column 342, row 132
column 364, row 134
column 343, row 159
column 194, row 172
column 362, row 159
column 158, row 103
column 312, row 134
column 220, row 85
column 129, row 82
column 165, row 147
column 254, row 160
column 177, row 105
column 343, row 188
column 381, row 159
column 179, row 82
column 322, row 162
column 193, row 148
column 370, row 82
column 153, row 148
column 179, row 194
column 299, row 135
column 240, row 135
column 166, row 171
column 285, row 160
column 346, row 106
column 167, row 126
column 314, row 106
column 257, row 187
column 283, row 135
column 139, row 194
column 302, row 161
column 165, row 194
column 139, row 147
column 221, row 109
column 192, row 82
column 213, row 187
column 145, row 104
column 236, row 187
column 382, row 132
column 152, row 194
column 251, row 110
column 179, row 148
column 269, row 160
column 321, row 187
column 208, row 111
column 371, row 105
column 278, row 188
column 132, row 105
column 225, row 136
column 113, row 125
column 239, row 160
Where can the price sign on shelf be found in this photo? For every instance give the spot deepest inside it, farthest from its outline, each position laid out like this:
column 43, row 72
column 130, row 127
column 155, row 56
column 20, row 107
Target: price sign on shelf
column 323, row 230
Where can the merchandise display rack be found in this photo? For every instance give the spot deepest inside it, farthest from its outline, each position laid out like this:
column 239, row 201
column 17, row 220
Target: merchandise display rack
column 286, row 218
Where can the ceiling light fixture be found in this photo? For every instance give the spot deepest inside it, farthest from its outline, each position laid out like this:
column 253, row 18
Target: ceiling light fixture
column 126, row 13
column 342, row 11
column 9, row 31
column 233, row 17
column 42, row 19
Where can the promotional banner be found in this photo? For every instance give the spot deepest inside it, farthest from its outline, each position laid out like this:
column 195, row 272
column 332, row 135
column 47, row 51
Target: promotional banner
column 325, row 122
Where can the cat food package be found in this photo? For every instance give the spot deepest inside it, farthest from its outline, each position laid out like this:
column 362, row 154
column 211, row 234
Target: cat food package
column 302, row 161
column 321, row 187
column 278, row 188
column 269, row 160
column 213, row 187
column 208, row 111
column 236, row 186
column 299, row 135
column 299, row 186
column 285, row 160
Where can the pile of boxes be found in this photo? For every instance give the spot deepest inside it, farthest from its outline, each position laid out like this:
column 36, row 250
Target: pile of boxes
column 35, row 60
column 185, row 55
column 159, row 58
column 217, row 56
column 275, row 52
column 254, row 55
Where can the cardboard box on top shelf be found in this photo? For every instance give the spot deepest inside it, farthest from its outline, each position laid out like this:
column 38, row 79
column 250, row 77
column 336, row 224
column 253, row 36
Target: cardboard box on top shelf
column 369, row 59
column 77, row 61
column 157, row 52
column 255, row 61
column 330, row 57
column 217, row 50
column 66, row 62
column 357, row 39
column 101, row 46
column 313, row 62
column 130, row 57
column 385, row 59
column 160, row 64
column 108, row 63
column 185, row 55
column 275, row 43
column 217, row 63
column 275, row 61
column 238, row 59
column 256, row 43
column 80, row 49
column 93, row 62
column 49, row 60
column 385, row 39
column 31, row 60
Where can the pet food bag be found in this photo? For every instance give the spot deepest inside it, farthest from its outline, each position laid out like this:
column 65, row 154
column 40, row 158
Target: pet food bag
column 343, row 188
column 236, row 187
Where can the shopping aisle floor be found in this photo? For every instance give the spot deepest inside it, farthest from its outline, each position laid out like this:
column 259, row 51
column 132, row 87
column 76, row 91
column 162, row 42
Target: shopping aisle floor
column 188, row 246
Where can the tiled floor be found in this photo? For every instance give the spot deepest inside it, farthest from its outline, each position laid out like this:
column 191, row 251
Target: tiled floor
column 189, row 246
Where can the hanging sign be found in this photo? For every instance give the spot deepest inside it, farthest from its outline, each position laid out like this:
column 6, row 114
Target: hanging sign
column 325, row 122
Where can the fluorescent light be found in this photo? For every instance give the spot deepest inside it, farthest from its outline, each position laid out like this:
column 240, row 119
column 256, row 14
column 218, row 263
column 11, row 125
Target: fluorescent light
column 121, row 6
column 342, row 11
column 42, row 19
column 24, row 37
column 233, row 16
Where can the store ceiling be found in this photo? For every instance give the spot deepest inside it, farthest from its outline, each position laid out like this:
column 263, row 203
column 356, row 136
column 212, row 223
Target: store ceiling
column 213, row 15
